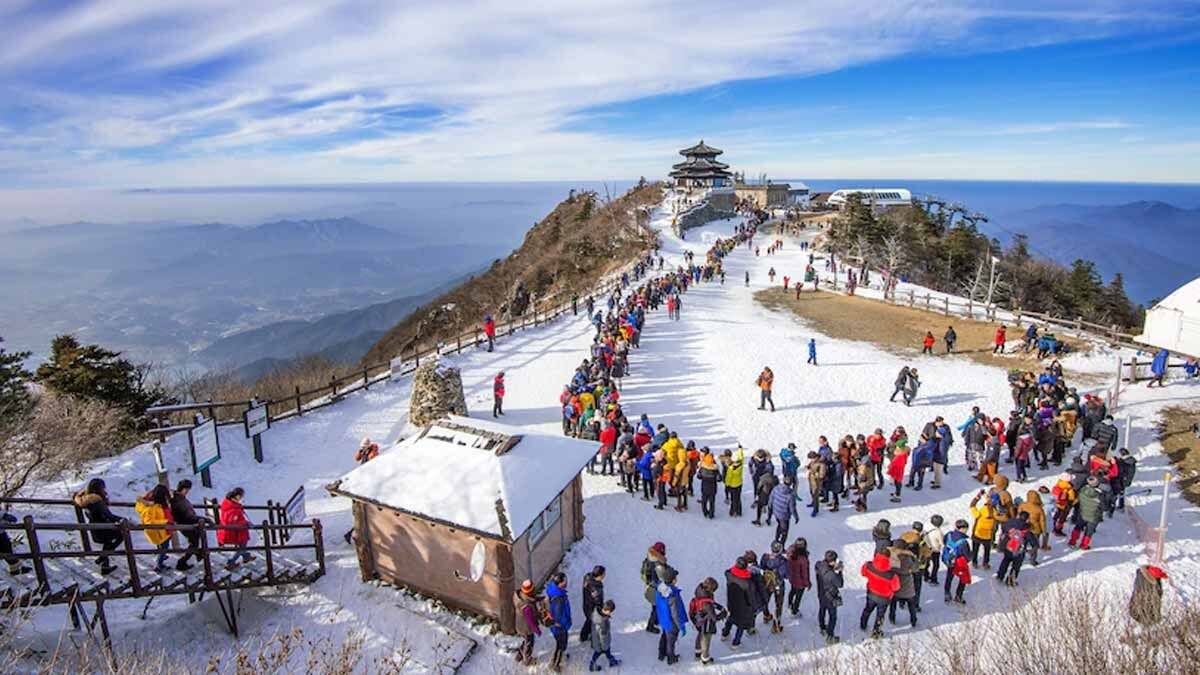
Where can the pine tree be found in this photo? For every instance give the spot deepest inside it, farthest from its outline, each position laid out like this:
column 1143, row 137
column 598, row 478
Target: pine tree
column 15, row 400
column 94, row 373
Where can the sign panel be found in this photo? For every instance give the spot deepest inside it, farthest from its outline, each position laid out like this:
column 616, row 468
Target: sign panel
column 294, row 509
column 397, row 366
column 256, row 420
column 206, row 447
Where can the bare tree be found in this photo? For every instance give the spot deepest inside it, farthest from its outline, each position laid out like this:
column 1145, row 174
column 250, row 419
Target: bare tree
column 895, row 255
column 57, row 439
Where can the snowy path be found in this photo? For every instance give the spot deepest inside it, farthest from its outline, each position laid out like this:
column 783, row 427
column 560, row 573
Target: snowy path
column 697, row 376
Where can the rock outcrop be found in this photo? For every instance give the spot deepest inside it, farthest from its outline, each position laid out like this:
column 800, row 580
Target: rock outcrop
column 437, row 391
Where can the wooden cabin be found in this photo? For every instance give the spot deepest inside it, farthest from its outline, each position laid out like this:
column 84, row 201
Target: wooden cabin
column 464, row 510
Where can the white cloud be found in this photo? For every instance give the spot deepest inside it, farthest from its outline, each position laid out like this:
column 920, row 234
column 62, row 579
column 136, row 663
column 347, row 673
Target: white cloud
column 508, row 77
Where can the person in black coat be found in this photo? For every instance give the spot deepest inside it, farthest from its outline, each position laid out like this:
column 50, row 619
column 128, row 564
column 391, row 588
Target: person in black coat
column 183, row 513
column 829, row 594
column 593, row 599
column 94, row 501
column 739, row 601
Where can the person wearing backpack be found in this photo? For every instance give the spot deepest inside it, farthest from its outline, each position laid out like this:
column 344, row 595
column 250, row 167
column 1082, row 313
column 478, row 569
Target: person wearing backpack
column 1064, row 501
column 529, row 604
column 1089, row 515
column 775, row 573
column 956, row 549
column 983, row 532
column 1015, row 538
column 653, row 567
column 904, row 562
column 828, row 571
column 705, row 613
column 1035, row 515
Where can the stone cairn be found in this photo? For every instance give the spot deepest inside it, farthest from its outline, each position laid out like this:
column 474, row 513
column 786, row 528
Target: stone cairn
column 437, row 391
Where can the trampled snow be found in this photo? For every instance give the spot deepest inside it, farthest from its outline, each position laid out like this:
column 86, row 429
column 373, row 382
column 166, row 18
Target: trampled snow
column 697, row 376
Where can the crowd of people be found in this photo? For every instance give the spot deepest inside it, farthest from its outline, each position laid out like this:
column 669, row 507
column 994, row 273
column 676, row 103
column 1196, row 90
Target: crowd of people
column 658, row 464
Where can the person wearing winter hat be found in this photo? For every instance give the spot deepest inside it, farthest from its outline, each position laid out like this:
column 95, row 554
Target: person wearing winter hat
column 529, row 615
column 709, row 475
column 740, row 600
column 672, row 617
column 498, row 395
column 829, row 594
column 653, row 567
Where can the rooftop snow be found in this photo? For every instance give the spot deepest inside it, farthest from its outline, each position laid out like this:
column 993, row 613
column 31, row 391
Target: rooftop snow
column 451, row 474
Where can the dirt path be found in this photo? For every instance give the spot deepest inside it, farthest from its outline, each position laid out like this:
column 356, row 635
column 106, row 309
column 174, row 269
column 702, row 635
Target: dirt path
column 894, row 328
column 1179, row 444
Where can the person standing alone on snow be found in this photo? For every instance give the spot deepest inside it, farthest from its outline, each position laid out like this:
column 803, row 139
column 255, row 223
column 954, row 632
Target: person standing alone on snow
column 498, row 394
column 901, row 380
column 766, row 380
column 927, row 343
column 951, row 337
column 812, row 351
column 489, row 330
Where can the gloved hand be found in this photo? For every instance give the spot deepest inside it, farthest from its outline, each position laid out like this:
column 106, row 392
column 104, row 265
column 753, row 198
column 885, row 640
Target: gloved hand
column 683, row 630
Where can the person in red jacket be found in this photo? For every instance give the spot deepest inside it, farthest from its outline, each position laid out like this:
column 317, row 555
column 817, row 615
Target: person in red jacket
column 882, row 584
column 927, row 343
column 896, row 467
column 489, row 329
column 608, row 447
column 875, row 445
column 237, row 534
column 498, row 395
column 1001, row 339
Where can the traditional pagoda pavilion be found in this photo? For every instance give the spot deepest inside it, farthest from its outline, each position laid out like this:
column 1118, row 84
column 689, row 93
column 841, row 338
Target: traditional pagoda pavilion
column 701, row 170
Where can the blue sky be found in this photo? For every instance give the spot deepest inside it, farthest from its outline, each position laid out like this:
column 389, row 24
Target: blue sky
column 126, row 93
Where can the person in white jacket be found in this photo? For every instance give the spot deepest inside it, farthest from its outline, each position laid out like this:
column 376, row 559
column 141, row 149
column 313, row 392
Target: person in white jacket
column 933, row 539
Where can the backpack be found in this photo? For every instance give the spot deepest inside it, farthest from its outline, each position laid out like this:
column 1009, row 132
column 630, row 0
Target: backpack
column 950, row 547
column 770, row 581
column 1015, row 541
column 694, row 608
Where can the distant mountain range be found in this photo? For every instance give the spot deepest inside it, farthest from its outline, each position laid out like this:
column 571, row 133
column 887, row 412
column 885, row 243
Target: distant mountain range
column 1152, row 243
column 170, row 293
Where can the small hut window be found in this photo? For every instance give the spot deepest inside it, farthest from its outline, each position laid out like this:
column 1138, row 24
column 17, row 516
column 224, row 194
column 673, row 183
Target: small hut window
column 542, row 524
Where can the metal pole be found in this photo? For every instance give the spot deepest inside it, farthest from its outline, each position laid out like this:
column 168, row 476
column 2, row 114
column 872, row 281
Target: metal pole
column 1128, row 431
column 1116, row 392
column 1162, row 519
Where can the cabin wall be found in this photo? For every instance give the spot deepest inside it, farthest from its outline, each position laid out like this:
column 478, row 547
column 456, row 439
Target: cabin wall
column 435, row 560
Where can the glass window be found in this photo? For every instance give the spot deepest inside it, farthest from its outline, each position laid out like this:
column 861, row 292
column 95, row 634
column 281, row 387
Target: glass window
column 542, row 524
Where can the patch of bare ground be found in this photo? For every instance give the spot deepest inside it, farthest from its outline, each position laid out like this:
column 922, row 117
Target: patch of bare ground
column 1181, row 446
column 898, row 329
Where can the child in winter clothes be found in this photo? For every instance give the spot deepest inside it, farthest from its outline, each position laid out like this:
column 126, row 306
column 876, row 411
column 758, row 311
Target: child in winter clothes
column 602, row 637
column 705, row 614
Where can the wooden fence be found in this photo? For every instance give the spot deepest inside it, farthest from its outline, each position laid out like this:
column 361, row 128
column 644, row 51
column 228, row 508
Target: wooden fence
column 229, row 413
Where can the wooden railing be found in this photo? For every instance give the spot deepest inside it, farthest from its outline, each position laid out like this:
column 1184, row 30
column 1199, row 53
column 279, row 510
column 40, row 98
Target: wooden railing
column 229, row 413
column 273, row 540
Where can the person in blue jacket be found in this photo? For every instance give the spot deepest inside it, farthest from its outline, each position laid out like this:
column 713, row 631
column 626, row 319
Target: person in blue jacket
column 812, row 351
column 1159, row 368
column 922, row 461
column 672, row 616
column 790, row 462
column 644, row 466
column 560, row 613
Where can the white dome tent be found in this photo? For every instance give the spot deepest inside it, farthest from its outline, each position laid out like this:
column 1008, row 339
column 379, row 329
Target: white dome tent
column 1174, row 323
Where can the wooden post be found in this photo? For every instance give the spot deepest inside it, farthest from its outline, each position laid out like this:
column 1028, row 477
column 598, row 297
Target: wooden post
column 1078, row 324
column 205, row 556
column 970, row 309
column 946, row 298
column 299, row 408
column 35, row 551
column 134, row 578
column 87, row 542
column 928, row 300
column 912, row 297
column 366, row 380
column 268, row 532
column 319, row 543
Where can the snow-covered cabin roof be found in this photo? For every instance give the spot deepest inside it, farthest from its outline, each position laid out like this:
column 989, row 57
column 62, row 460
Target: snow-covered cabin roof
column 1174, row 323
column 491, row 478
column 879, row 196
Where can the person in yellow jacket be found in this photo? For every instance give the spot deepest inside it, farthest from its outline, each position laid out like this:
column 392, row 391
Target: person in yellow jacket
column 674, row 450
column 154, row 508
column 983, row 532
column 732, row 464
column 1037, row 522
column 1064, row 500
